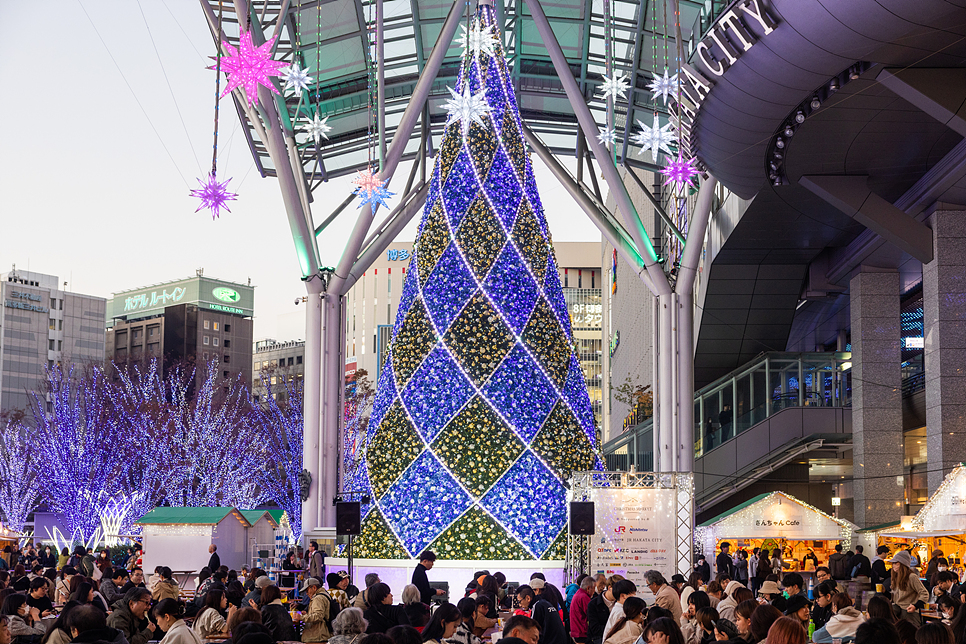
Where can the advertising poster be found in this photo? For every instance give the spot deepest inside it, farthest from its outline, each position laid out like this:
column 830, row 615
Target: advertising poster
column 635, row 533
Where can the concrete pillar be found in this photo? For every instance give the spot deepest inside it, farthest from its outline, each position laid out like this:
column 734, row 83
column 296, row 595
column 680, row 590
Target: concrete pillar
column 877, row 455
column 944, row 318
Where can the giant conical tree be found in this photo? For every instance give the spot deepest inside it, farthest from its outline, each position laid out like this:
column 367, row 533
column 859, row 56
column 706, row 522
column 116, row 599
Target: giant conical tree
column 481, row 410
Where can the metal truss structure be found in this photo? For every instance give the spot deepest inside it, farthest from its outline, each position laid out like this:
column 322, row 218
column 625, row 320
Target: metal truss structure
column 582, row 486
column 394, row 59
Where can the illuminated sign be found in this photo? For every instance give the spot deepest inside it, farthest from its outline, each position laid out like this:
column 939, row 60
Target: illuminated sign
column 225, row 309
column 615, row 342
column 226, row 294
column 394, row 255
column 154, row 298
column 725, row 43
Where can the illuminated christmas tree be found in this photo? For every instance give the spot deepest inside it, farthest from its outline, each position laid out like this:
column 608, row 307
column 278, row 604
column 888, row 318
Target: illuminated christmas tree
column 481, row 410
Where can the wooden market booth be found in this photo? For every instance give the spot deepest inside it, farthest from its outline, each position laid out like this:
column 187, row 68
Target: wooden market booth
column 776, row 520
column 941, row 523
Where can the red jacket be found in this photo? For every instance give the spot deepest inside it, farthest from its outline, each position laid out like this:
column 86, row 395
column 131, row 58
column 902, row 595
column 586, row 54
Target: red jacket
column 578, row 613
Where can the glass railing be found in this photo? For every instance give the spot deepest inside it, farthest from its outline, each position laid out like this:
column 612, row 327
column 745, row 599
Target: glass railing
column 736, row 402
column 772, row 382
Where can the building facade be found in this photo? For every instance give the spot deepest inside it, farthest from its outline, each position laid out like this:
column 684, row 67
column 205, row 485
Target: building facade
column 274, row 364
column 43, row 325
column 191, row 321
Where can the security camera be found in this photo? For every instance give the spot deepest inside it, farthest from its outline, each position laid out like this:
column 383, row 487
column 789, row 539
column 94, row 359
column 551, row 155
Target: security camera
column 297, row 300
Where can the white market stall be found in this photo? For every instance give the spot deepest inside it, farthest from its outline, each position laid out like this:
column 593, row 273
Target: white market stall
column 776, row 520
column 940, row 524
column 179, row 538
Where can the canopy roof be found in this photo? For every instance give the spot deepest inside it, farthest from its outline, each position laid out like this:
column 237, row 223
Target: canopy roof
column 758, row 516
column 330, row 40
column 253, row 516
column 191, row 516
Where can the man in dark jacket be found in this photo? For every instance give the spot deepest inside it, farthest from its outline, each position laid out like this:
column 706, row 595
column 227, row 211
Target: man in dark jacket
column 111, row 584
column 426, row 560
column 724, row 563
column 703, row 568
column 136, row 580
column 129, row 616
column 214, row 563
column 88, row 624
column 598, row 610
column 547, row 617
column 860, row 566
column 879, row 572
column 838, row 563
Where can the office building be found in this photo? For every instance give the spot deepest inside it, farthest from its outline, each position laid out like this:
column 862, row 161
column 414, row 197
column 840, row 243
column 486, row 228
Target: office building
column 43, row 325
column 273, row 365
column 190, row 321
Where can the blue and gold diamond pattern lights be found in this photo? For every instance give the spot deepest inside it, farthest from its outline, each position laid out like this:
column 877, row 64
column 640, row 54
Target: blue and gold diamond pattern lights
column 481, row 410
column 425, row 498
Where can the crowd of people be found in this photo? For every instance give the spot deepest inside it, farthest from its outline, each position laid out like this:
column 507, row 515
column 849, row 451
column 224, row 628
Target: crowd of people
column 89, row 598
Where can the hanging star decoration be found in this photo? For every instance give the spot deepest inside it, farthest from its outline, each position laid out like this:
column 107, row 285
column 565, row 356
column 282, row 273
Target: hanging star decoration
column 478, row 39
column 663, row 86
column 297, row 78
column 467, row 107
column 318, row 128
column 249, row 66
column 615, row 87
column 654, row 138
column 213, row 195
column 371, row 189
column 607, row 136
column 680, row 172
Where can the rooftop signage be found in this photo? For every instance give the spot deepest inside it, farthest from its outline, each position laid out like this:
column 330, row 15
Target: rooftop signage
column 730, row 38
column 17, row 298
column 207, row 293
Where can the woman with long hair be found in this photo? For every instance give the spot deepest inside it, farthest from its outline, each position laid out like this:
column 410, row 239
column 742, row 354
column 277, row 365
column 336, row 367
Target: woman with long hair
column 663, row 630
column 19, row 580
column 628, row 628
column 706, row 617
column 58, row 632
column 908, row 593
column 743, row 613
column 761, row 621
column 212, row 619
column 464, row 632
column 948, row 605
column 787, row 630
column 880, row 608
column 934, row 633
column 693, row 584
column 443, row 625
column 689, row 620
column 62, row 591
column 169, row 614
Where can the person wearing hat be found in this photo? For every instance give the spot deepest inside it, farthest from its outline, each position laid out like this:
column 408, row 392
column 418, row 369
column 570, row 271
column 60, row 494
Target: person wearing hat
column 702, row 567
column 773, row 594
column 677, row 583
column 338, row 582
column 254, row 597
column 726, row 607
column 317, row 619
column 725, row 630
column 908, row 593
column 723, row 562
column 800, row 609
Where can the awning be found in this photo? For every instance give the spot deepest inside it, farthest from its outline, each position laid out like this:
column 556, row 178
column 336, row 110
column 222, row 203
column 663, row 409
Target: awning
column 919, row 534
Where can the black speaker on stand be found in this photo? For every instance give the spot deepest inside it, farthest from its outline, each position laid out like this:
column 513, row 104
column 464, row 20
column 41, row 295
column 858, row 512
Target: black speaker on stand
column 348, row 518
column 582, row 517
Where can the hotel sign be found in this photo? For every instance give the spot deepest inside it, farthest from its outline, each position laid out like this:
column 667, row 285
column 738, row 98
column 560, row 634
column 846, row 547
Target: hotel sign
column 204, row 292
column 734, row 33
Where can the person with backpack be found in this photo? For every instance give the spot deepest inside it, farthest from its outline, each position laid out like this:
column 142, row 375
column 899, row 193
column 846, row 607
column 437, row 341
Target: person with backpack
column 318, row 620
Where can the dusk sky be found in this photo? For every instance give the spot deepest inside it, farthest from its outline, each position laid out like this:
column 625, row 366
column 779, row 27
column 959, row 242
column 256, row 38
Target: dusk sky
column 122, row 130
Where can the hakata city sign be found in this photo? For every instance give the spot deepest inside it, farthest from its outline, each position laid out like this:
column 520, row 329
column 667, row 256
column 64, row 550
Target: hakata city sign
column 732, row 35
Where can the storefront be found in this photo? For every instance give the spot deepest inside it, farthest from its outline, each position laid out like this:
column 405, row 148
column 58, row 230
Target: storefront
column 940, row 524
column 776, row 521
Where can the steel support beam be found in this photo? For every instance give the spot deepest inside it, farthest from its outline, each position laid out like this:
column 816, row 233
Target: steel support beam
column 312, row 392
column 589, row 126
column 851, row 195
column 940, row 93
column 658, row 208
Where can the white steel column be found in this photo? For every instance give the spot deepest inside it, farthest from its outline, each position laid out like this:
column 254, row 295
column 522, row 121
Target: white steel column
column 311, row 401
column 665, row 417
column 333, row 374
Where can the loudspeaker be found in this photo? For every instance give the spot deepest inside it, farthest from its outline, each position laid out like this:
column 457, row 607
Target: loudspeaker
column 582, row 517
column 348, row 517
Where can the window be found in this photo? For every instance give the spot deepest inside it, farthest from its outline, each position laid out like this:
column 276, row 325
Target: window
column 53, row 324
column 264, row 364
column 207, row 325
column 60, row 345
column 227, row 359
column 225, row 375
column 227, row 328
column 291, row 361
column 206, row 356
column 298, row 359
column 60, row 304
column 274, row 380
column 50, row 364
column 215, row 327
column 206, row 340
column 60, row 325
column 227, row 343
column 214, row 341
column 53, row 304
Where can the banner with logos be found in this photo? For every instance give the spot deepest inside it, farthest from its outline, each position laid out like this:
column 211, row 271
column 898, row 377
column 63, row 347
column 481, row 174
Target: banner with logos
column 635, row 533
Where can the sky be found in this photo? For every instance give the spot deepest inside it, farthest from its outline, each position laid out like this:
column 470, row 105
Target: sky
column 113, row 101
